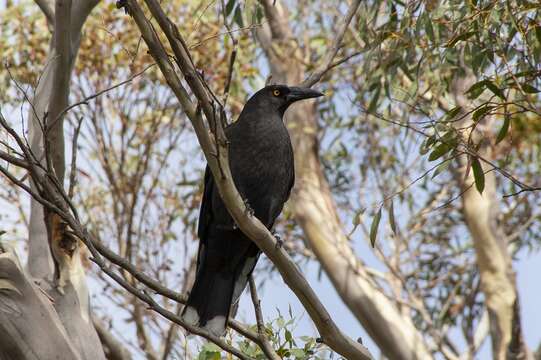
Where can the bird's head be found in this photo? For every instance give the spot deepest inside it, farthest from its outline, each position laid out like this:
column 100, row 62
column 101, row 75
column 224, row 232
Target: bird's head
column 279, row 97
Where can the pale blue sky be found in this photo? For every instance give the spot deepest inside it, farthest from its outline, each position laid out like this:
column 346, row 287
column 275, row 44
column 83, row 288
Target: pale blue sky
column 275, row 294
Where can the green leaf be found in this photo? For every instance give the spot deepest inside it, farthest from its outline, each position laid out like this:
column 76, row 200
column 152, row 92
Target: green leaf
column 238, row 17
column 495, row 89
column 424, row 148
column 229, row 7
column 298, row 353
column 391, row 218
column 428, row 27
column 503, row 131
column 478, row 58
column 374, row 101
column 529, row 89
column 439, row 151
column 451, row 114
column 478, row 175
column 374, row 228
column 523, row 74
column 538, row 34
column 2, row 232
column 476, row 89
column 461, row 37
column 289, row 338
column 479, row 113
column 441, row 168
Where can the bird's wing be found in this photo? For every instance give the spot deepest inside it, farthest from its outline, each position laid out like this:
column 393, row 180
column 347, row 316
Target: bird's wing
column 205, row 212
column 292, row 173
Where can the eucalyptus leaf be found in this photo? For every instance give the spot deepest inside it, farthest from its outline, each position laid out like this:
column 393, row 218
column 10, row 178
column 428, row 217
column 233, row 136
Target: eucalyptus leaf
column 481, row 112
column 374, row 227
column 504, row 129
column 439, row 151
column 529, row 89
column 229, row 7
column 478, row 174
column 391, row 218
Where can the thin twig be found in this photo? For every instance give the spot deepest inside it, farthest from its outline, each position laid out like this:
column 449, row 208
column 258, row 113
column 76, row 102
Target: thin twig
column 99, row 93
column 250, row 225
column 326, row 65
column 73, row 170
column 266, row 346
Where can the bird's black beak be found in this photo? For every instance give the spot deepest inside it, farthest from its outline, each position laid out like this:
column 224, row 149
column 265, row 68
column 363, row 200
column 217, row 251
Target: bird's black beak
column 297, row 93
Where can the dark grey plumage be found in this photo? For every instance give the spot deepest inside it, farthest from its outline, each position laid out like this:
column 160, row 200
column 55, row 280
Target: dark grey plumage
column 261, row 161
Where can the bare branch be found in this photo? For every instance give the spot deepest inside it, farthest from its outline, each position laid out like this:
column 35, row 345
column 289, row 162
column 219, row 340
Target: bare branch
column 61, row 78
column 73, row 171
column 47, row 11
column 327, row 64
column 218, row 163
column 97, row 94
column 13, row 160
column 266, row 345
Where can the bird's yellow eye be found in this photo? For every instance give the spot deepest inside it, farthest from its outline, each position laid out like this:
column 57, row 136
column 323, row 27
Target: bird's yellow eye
column 276, row 93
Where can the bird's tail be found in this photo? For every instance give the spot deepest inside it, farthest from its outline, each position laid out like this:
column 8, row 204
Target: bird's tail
column 213, row 294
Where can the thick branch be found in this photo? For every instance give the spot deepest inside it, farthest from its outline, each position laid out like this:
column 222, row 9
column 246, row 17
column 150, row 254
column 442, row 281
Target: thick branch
column 219, row 165
column 47, row 10
column 114, row 349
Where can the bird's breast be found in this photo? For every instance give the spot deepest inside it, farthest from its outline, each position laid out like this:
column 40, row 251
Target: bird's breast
column 261, row 155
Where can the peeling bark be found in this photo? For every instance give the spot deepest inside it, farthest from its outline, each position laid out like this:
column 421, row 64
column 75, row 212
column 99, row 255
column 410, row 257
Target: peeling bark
column 29, row 325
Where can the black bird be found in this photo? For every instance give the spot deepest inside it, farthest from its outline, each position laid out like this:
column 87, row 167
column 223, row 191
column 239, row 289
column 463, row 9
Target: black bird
column 261, row 161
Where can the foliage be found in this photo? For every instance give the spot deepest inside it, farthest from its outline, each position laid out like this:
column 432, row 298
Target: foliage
column 430, row 80
column 280, row 332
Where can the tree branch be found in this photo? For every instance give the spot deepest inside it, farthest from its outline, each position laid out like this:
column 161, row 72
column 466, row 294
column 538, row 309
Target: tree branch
column 266, row 345
column 114, row 349
column 47, row 11
column 327, row 63
column 218, row 163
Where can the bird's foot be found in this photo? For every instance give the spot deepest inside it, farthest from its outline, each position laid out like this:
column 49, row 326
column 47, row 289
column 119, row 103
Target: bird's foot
column 249, row 209
column 279, row 241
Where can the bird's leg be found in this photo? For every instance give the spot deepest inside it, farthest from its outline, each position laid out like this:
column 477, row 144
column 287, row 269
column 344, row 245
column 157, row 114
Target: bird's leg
column 279, row 241
column 249, row 209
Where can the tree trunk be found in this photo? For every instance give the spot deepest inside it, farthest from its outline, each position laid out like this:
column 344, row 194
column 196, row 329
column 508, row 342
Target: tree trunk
column 315, row 210
column 481, row 213
column 33, row 328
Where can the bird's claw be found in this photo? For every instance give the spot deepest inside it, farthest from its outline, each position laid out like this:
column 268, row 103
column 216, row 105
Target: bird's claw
column 279, row 241
column 249, row 209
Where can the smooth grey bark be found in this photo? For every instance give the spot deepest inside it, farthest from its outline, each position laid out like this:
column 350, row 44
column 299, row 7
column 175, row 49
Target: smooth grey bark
column 53, row 321
column 40, row 263
column 114, row 349
column 481, row 213
column 29, row 326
